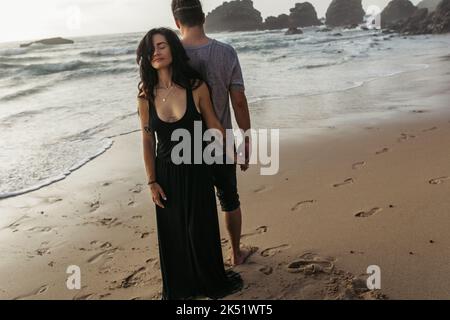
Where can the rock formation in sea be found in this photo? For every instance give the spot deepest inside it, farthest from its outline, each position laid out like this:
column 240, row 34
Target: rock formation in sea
column 303, row 15
column 49, row 41
column 397, row 10
column 441, row 18
column 238, row 15
column 293, row 30
column 344, row 13
column 424, row 22
column 273, row 23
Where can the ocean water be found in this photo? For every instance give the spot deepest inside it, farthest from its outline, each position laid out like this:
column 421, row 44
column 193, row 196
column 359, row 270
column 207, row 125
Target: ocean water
column 61, row 106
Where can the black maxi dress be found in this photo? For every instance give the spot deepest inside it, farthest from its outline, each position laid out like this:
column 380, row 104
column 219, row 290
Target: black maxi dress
column 188, row 228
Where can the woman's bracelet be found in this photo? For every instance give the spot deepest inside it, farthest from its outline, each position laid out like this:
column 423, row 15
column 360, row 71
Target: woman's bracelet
column 151, row 182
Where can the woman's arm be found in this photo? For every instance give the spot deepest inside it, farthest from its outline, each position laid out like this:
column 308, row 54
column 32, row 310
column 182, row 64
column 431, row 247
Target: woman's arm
column 148, row 143
column 207, row 109
column 210, row 117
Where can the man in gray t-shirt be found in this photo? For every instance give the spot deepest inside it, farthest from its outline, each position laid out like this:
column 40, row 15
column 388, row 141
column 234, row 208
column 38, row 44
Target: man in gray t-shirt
column 218, row 63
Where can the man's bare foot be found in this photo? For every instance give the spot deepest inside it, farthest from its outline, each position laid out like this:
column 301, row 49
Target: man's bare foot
column 242, row 256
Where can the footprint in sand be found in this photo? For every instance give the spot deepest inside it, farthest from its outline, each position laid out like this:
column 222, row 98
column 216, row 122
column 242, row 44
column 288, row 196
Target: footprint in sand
column 152, row 259
column 94, row 206
column 429, row 129
column 106, row 245
column 42, row 289
column 136, row 189
column 266, row 270
column 274, row 250
column 98, row 256
column 320, row 279
column 132, row 279
column 358, row 165
column 42, row 251
column 87, row 296
column 13, row 225
column 145, row 235
column 258, row 230
column 382, row 151
column 405, row 136
column 109, row 222
column 301, row 204
column 137, row 278
column 53, row 199
column 310, row 263
column 261, row 189
column 438, row 180
column 364, row 214
column 101, row 296
column 40, row 229
column 346, row 181
column 36, row 292
column 153, row 262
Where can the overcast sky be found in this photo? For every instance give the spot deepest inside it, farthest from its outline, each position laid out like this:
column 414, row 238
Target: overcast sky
column 34, row 19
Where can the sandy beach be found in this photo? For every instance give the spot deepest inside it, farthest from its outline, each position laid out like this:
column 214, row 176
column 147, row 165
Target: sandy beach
column 372, row 190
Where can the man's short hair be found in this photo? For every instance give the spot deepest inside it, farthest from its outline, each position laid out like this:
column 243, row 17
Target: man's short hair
column 188, row 12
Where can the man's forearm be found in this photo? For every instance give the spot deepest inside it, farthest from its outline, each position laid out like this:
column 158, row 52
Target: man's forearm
column 242, row 114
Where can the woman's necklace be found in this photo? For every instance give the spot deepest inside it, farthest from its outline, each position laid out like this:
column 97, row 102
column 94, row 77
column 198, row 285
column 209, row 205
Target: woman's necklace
column 169, row 90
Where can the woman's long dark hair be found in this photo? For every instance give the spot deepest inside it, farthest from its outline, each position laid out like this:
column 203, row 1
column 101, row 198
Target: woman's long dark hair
column 182, row 73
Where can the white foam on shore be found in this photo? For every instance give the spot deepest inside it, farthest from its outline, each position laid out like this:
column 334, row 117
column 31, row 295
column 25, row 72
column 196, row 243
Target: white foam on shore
column 107, row 145
column 49, row 181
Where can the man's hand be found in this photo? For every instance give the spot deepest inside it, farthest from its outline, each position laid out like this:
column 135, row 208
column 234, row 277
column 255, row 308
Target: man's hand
column 245, row 165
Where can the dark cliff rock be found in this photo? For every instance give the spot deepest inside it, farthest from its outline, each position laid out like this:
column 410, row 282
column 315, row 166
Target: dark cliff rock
column 238, row 15
column 344, row 13
column 303, row 15
column 397, row 10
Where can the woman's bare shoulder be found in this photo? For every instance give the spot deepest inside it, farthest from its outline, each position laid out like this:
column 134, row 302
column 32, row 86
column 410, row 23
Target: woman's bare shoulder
column 202, row 89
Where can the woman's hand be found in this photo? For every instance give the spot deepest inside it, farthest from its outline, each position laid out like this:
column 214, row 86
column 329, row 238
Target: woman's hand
column 157, row 194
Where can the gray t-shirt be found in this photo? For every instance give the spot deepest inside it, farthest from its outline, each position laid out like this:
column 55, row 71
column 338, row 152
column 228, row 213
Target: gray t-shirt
column 219, row 65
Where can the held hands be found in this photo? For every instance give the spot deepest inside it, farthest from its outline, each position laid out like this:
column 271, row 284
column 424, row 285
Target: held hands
column 157, row 194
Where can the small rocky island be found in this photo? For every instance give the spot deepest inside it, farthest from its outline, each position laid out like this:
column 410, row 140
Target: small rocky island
column 343, row 13
column 49, row 41
column 234, row 16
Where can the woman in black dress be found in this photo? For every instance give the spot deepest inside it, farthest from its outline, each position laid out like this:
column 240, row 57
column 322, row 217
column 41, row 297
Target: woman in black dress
column 172, row 96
